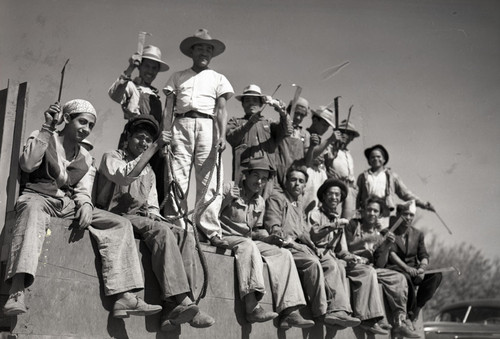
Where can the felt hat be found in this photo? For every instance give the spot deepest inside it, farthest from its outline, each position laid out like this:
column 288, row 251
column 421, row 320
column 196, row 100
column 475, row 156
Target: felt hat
column 87, row 144
column 348, row 127
column 369, row 150
column 145, row 121
column 326, row 114
column 79, row 106
column 201, row 37
column 250, row 91
column 332, row 183
column 257, row 164
column 154, row 53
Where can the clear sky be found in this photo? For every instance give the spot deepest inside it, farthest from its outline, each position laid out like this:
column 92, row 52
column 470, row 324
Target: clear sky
column 423, row 76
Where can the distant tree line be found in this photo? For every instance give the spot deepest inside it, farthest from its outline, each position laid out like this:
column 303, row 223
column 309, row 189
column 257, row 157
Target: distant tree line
column 480, row 275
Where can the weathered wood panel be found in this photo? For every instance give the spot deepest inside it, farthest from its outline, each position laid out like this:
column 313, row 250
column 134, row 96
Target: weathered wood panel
column 13, row 103
column 67, row 298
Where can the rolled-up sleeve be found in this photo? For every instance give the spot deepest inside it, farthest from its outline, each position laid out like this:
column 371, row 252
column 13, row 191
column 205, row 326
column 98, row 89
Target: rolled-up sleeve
column 34, row 150
column 116, row 169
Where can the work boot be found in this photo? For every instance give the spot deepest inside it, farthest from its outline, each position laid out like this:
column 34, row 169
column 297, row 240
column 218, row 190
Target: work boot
column 401, row 328
column 259, row 315
column 202, row 320
column 124, row 307
column 218, row 242
column 341, row 318
column 294, row 319
column 385, row 324
column 15, row 304
column 372, row 327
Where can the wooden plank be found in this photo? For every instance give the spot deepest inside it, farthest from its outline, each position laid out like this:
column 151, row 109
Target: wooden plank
column 13, row 104
column 67, row 299
column 8, row 113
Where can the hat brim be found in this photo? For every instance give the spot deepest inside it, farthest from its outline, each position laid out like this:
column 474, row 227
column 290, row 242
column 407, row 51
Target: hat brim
column 189, row 42
column 327, row 120
column 262, row 168
column 163, row 66
column 240, row 96
column 331, row 183
column 350, row 131
column 380, row 147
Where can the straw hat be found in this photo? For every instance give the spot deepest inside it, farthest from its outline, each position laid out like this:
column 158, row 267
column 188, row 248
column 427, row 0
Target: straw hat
column 326, row 114
column 348, row 127
column 154, row 53
column 250, row 91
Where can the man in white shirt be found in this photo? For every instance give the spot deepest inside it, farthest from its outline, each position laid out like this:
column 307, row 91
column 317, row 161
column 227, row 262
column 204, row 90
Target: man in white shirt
column 199, row 125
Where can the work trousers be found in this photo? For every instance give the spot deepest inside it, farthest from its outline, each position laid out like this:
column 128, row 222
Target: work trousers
column 426, row 289
column 172, row 254
column 367, row 302
column 193, row 144
column 121, row 269
column 323, row 280
column 394, row 289
column 283, row 277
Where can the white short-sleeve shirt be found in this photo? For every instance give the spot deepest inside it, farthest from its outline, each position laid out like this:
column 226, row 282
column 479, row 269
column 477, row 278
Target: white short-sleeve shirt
column 197, row 91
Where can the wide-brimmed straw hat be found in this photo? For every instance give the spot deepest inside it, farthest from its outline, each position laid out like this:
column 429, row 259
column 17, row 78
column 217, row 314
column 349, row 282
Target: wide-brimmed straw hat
column 332, row 183
column 154, row 53
column 369, row 150
column 348, row 127
column 250, row 91
column 201, row 37
column 326, row 114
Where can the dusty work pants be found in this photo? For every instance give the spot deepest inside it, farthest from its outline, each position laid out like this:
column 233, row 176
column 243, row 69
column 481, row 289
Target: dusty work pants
column 366, row 300
column 323, row 280
column 193, row 144
column 394, row 288
column 168, row 264
column 283, row 276
column 121, row 269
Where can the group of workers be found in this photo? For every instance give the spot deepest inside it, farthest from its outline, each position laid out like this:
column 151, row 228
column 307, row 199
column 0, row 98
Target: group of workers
column 340, row 246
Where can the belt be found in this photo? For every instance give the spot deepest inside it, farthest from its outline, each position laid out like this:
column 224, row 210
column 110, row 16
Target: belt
column 194, row 115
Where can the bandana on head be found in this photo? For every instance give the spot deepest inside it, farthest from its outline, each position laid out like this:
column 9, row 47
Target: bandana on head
column 79, row 106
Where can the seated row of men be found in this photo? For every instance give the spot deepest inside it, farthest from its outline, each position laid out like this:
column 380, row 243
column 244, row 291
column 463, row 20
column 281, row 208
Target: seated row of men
column 323, row 261
column 313, row 256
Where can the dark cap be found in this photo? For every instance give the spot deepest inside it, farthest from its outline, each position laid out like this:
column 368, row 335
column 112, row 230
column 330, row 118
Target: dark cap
column 257, row 164
column 143, row 121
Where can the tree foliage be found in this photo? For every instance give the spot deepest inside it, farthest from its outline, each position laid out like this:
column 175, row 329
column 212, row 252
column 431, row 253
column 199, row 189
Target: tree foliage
column 479, row 278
